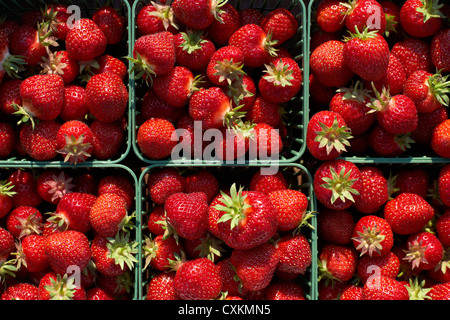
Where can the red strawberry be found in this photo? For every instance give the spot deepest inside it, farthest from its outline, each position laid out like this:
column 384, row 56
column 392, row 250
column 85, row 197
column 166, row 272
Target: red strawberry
column 281, row 24
column 440, row 291
column 225, row 65
column 85, row 41
column 61, row 64
column 202, row 181
column 387, row 265
column 95, row 294
column 384, row 288
column 335, row 226
column 407, row 213
column 75, row 106
column 111, row 23
column 206, row 245
column 10, row 95
column 394, row 79
column 373, row 235
column 444, row 184
column 414, row 54
column 327, row 135
column 108, row 214
column 425, row 250
column 413, row 180
column 157, row 220
column 440, row 50
column 255, row 43
column 154, row 107
column 74, row 141
column 388, row 144
column 374, row 192
column 40, row 142
column 107, row 97
column 351, row 292
column 337, row 183
column 57, row 15
column 291, row 206
column 156, row 138
column 282, row 80
column 255, row 267
column 243, row 91
column 327, row 64
column 329, row 15
column 421, row 18
column 198, row 15
column 154, row 18
column 365, row 13
column 426, row 124
column 108, row 139
column 30, row 43
column 109, row 63
column 53, row 184
column 251, row 16
column 227, row 22
column 54, row 286
column 337, row 263
column 246, row 218
column 164, row 182
column 6, row 244
column 442, row 225
column 230, row 282
column 11, row 65
column 25, row 189
column 197, row 279
column 31, row 253
column 266, row 142
column 6, row 194
column 161, row 287
column 294, row 253
column 20, row 291
column 268, row 183
column 440, row 139
column 264, row 111
column 284, row 291
column 319, row 37
column 193, row 49
column 118, row 184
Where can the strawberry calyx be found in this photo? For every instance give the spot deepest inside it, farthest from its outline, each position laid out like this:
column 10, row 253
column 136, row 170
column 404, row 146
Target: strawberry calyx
column 439, row 87
column 235, row 207
column 430, row 9
column 325, row 274
column 228, row 70
column 32, row 224
column 238, row 90
column 13, row 65
column 333, row 137
column 210, row 247
column 369, row 240
column 75, row 149
column 52, row 64
column 279, row 74
column 7, row 269
column 192, row 40
column 233, row 116
column 217, row 9
column 57, row 221
column 361, row 35
column 122, row 250
column 6, row 187
column 45, row 34
column 143, row 69
column 59, row 186
column 355, row 92
column 391, row 24
column 416, row 253
column 392, row 189
column 444, row 264
column 269, row 45
column 25, row 114
column 179, row 260
column 381, row 100
column 61, row 288
column 416, row 290
column 165, row 13
column 340, row 185
column 404, row 141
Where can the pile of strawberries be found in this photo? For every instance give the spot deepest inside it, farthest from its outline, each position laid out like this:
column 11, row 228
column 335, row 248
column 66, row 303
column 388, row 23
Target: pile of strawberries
column 226, row 233
column 63, row 94
column 209, row 66
column 66, row 234
column 379, row 79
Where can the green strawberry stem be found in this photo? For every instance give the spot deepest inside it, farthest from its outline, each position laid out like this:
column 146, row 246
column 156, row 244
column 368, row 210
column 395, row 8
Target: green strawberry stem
column 61, row 288
column 340, row 185
column 6, row 187
column 430, row 9
column 228, row 70
column 364, row 35
column 25, row 116
column 234, row 206
column 192, row 40
column 210, row 247
column 440, row 87
column 369, row 241
column 416, row 290
column 233, row 116
column 13, row 65
column 279, row 75
column 142, row 69
column 165, row 13
column 75, row 149
column 355, row 92
column 122, row 250
column 7, row 269
column 333, row 137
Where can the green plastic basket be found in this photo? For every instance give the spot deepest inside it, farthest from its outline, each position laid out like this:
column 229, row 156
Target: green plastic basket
column 14, row 8
column 297, row 175
column 413, row 155
column 98, row 171
column 296, row 110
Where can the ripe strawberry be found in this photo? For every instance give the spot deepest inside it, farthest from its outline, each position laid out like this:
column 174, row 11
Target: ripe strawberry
column 111, row 23
column 444, row 184
column 329, row 15
column 421, row 18
column 85, row 41
column 6, row 200
column 156, row 138
column 57, row 15
column 206, row 245
column 365, row 13
column 291, row 206
column 67, row 249
column 230, row 282
column 243, row 92
column 225, row 65
column 42, row 97
column 264, row 111
column 255, row 267
column 351, row 292
column 407, row 213
column 330, row 291
column 40, row 142
column 227, row 22
column 25, row 191
column 31, row 254
column 284, row 291
column 336, row 226
column 414, row 54
column 266, row 142
column 107, row 97
column 95, row 294
column 388, row 144
column 74, row 141
column 387, row 265
column 199, row 15
column 108, row 139
column 425, row 250
column 193, row 49
column 251, row 16
column 440, row 291
column 113, row 256
column 374, row 192
column 108, row 214
column 187, row 214
column 155, row 17
column 20, row 291
column 109, row 63
column 202, row 181
column 282, row 80
column 327, row 64
column 426, row 124
column 157, row 220
column 118, row 184
column 119, row 285
column 394, row 79
column 268, row 183
column 327, row 135
column 373, row 235
column 281, row 24
column 10, row 95
column 440, row 50
column 363, row 46
column 392, row 12
column 30, row 43
column 246, row 219
column 442, row 225
column 384, row 288
column 337, row 183
column 337, row 263
column 54, row 286
column 255, row 43
column 153, row 106
column 53, row 184
column 197, row 279
column 75, row 106
column 11, row 65
column 413, row 180
column 440, row 139
column 352, row 104
column 294, row 252
column 164, row 182
column 161, row 287
column 6, row 244
column 61, row 64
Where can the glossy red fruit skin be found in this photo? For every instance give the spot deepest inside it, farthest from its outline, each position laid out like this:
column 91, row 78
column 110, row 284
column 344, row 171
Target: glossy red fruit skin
column 440, row 49
column 381, row 226
column 339, row 261
column 388, row 264
column 417, row 89
column 156, row 138
column 82, row 48
column 362, row 16
column 433, row 249
column 413, row 22
column 442, row 228
column 384, row 288
column 196, row 15
column 291, row 206
column 329, row 15
column 440, row 139
column 294, row 254
column 281, row 23
column 414, row 54
column 161, row 287
column 164, row 182
column 374, row 191
column 336, row 226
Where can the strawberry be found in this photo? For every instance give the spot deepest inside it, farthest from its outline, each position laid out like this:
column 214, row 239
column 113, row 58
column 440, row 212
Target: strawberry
column 330, row 291
column 351, row 292
column 263, row 111
column 384, row 288
column 109, row 63
column 61, row 64
column 118, row 285
column 67, row 249
column 337, row 183
column 421, row 18
column 118, row 184
column 230, row 282
column 53, row 184
column 74, row 141
column 206, row 245
column 255, row 267
column 156, row 138
column 40, row 142
column 425, row 250
column 111, row 23
column 327, row 135
column 187, row 214
column 388, row 144
column 153, row 106
column 374, row 192
column 95, row 294
column 243, row 92
column 57, row 15
column 20, row 291
column 442, row 224
column 75, row 106
column 108, row 139
column 30, row 253
column 164, row 182
column 392, row 12
column 336, row 226
column 394, row 79
column 414, row 54
column 255, row 43
column 251, row 16
column 199, row 15
column 106, row 97
column 407, row 213
column 155, row 17
column 161, row 287
column 54, row 286
column 108, row 214
column 428, row 91
column 246, row 218
column 337, row 263
column 294, row 252
column 268, row 183
column 282, row 80
column 388, row 265
column 225, row 65
column 10, row 95
column 440, row 139
column 24, row 188
column 7, row 244
column 291, row 206
column 284, row 291
column 373, row 235
column 6, row 194
column 157, row 220
column 363, row 46
column 11, row 65
column 281, row 24
column 439, row 50
column 202, row 181
column 193, row 49
column 440, row 291
column 329, row 15
column 327, row 64
column 413, row 180
column 197, row 279
column 85, row 41
column 227, row 22
column 42, row 97
column 267, row 142
column 364, row 13
column 444, row 184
